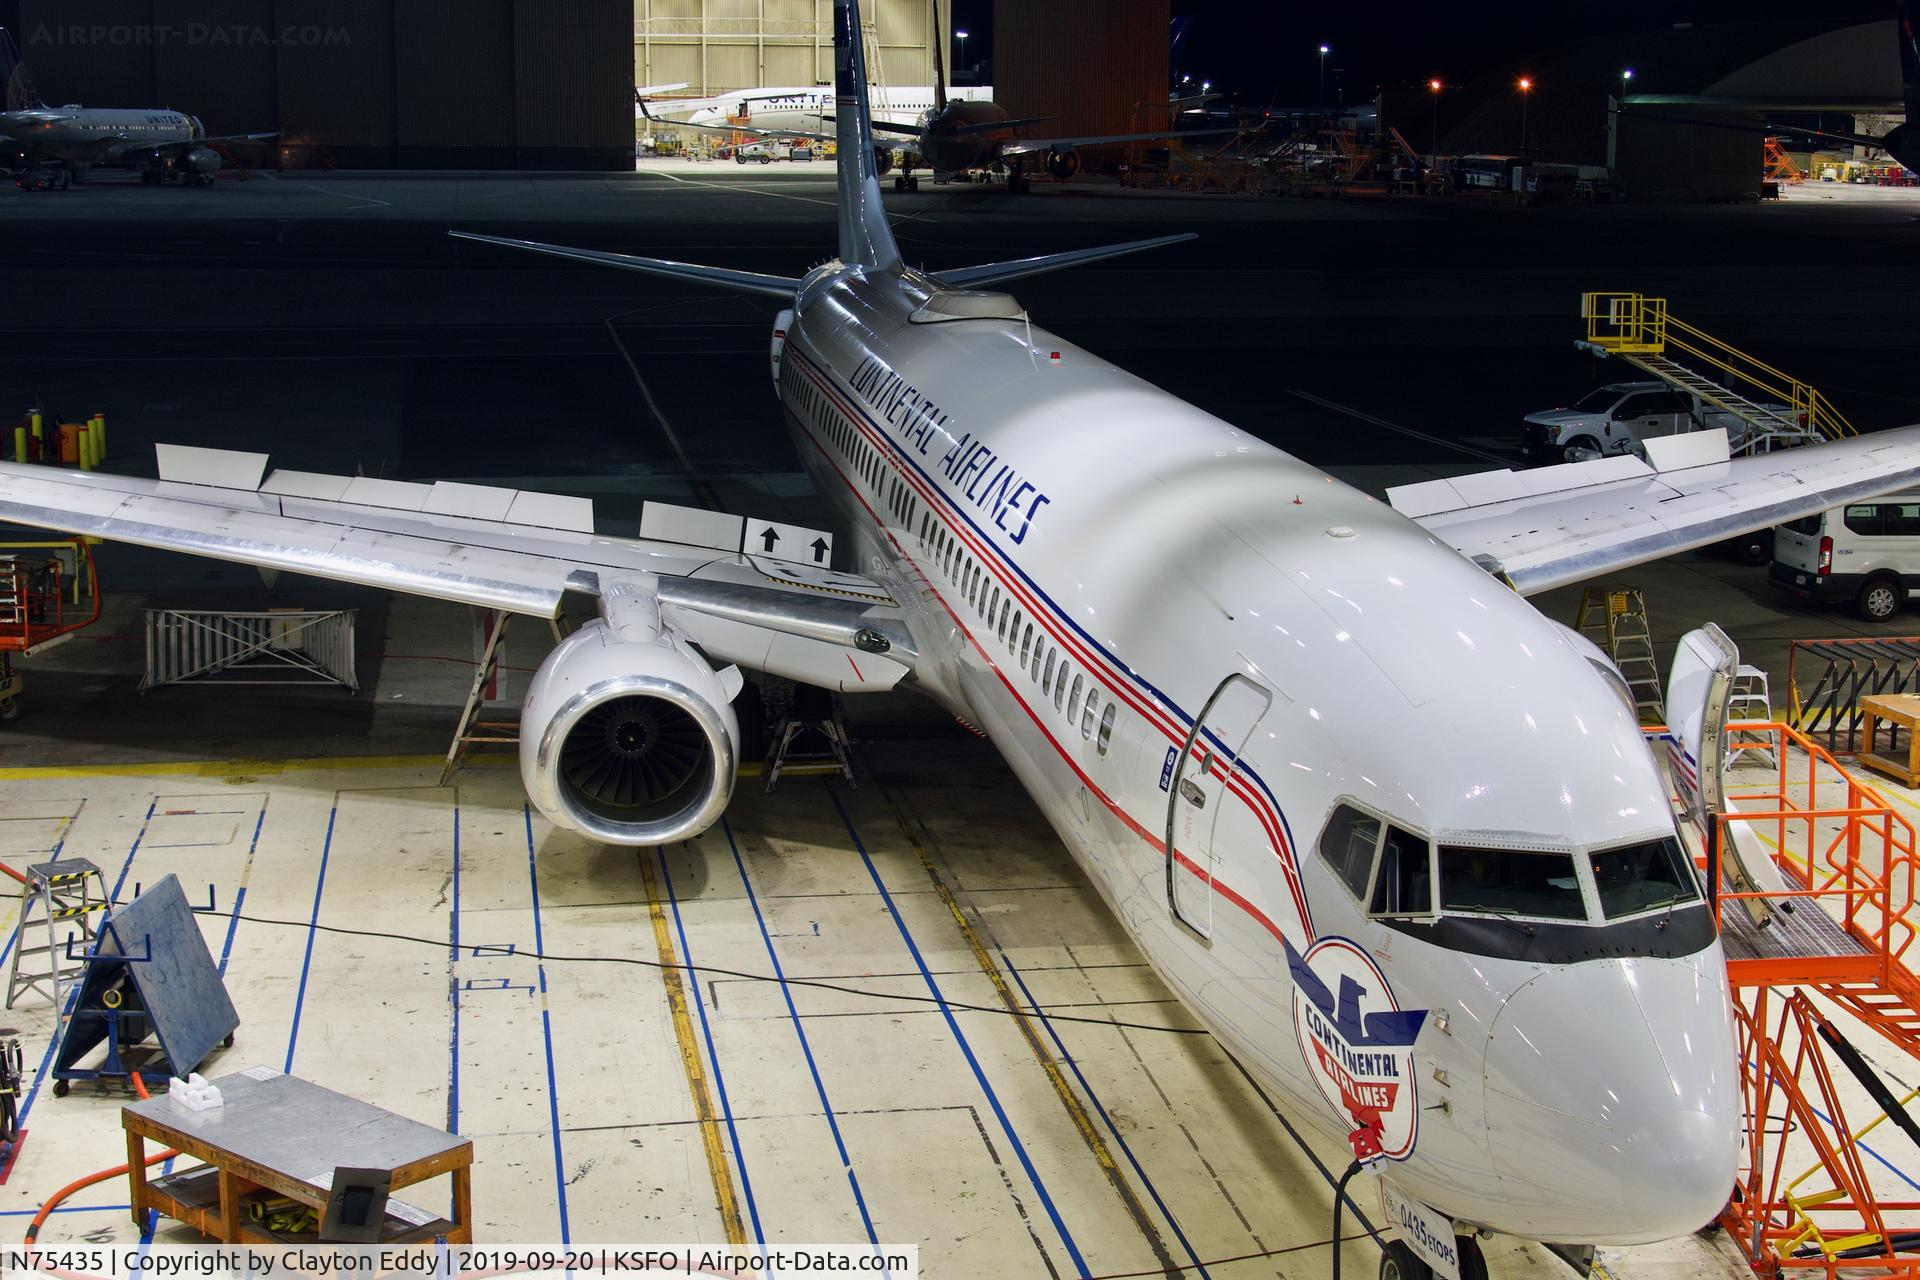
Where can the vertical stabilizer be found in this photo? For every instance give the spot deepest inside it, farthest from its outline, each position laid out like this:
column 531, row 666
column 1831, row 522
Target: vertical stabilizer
column 865, row 238
column 16, row 86
column 1909, row 57
column 939, row 61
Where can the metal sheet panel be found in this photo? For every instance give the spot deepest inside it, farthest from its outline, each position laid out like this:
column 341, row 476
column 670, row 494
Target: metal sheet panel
column 453, row 64
column 552, row 511
column 307, row 484
column 477, row 501
column 1111, row 77
column 400, row 495
column 100, row 52
column 691, row 526
column 573, row 77
column 218, row 61
column 339, row 94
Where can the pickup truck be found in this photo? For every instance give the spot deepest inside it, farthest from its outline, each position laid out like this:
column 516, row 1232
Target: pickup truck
column 1613, row 419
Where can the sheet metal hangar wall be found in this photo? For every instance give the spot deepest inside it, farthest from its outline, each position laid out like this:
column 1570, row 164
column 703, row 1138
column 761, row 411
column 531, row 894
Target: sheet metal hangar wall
column 1108, row 76
column 714, row 46
column 357, row 83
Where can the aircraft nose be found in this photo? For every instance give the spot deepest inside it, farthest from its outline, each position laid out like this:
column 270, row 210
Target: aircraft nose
column 1613, row 1100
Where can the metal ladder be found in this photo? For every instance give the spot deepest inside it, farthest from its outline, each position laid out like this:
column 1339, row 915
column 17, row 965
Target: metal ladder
column 1767, row 429
column 1749, row 699
column 69, row 890
column 1615, row 618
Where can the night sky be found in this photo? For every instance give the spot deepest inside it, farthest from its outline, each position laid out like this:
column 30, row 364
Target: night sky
column 1260, row 50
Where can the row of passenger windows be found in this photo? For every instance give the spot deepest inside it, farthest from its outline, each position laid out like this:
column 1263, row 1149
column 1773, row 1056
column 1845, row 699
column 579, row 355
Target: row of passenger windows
column 1075, row 694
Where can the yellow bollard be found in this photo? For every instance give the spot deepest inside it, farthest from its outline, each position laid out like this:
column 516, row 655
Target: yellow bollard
column 39, row 437
column 19, row 444
column 99, row 438
column 83, row 448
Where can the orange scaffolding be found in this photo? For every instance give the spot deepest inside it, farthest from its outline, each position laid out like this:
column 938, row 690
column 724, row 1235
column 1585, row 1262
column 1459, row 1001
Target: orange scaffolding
column 1838, row 927
column 48, row 591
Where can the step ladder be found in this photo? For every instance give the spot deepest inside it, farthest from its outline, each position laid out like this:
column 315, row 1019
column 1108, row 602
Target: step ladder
column 1749, row 700
column 67, row 891
column 814, row 711
column 1615, row 619
column 1640, row 330
column 472, row 731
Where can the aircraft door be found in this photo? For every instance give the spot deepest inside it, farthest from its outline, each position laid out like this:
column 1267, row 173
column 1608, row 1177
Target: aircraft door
column 1200, row 793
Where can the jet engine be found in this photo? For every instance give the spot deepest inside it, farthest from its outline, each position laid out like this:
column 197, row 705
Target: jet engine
column 627, row 734
column 882, row 161
column 1063, row 164
column 199, row 160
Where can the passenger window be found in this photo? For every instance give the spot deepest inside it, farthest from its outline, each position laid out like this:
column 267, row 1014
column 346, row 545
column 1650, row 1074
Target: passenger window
column 1046, row 681
column 1073, row 699
column 1060, row 687
column 1086, row 716
column 1000, row 627
column 1348, row 846
column 992, row 603
column 1863, row 520
column 1106, row 727
column 1641, row 877
column 1511, row 882
column 1404, row 886
column 1013, row 636
column 1026, row 642
column 1902, row 519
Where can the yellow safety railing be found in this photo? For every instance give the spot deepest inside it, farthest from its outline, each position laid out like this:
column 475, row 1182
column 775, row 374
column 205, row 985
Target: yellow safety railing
column 1630, row 324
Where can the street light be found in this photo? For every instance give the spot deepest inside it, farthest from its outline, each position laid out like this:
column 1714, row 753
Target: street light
column 1526, row 89
column 961, row 36
column 1434, row 148
column 1626, row 78
column 1321, row 101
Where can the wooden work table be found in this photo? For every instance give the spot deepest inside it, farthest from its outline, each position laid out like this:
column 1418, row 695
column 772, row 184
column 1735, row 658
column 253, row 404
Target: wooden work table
column 278, row 1135
column 1901, row 710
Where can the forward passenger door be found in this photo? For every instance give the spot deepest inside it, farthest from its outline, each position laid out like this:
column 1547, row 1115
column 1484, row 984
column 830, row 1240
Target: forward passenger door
column 1201, row 794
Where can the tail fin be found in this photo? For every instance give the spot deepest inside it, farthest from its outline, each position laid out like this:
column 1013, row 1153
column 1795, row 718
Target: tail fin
column 16, row 86
column 865, row 238
column 1909, row 56
column 939, row 54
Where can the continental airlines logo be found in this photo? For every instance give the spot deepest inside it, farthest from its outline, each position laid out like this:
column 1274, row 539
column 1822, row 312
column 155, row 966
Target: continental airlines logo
column 1356, row 1040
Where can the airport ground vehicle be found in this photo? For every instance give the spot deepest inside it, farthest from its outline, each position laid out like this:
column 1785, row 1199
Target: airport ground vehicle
column 1865, row 553
column 1614, row 418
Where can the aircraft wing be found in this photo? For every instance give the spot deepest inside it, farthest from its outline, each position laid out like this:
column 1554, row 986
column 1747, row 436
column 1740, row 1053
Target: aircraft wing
column 1766, row 130
column 1552, row 526
column 801, row 134
column 117, row 147
column 1022, row 146
column 716, row 578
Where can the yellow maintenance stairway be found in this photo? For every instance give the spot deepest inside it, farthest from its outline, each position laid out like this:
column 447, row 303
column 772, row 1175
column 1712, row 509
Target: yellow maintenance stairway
column 1775, row 409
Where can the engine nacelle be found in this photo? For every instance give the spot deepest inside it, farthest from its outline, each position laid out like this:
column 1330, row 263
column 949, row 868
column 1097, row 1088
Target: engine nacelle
column 882, row 161
column 1063, row 164
column 628, row 735
column 199, row 160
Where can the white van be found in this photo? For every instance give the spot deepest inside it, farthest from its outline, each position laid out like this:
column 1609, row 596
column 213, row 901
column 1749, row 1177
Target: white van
column 1867, row 553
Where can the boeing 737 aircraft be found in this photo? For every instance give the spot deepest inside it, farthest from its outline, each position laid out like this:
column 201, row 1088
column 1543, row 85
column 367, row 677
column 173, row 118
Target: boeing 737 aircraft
column 55, row 147
column 1386, row 831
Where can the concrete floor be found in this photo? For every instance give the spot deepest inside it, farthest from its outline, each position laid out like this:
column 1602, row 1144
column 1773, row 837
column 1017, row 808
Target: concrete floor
column 328, row 320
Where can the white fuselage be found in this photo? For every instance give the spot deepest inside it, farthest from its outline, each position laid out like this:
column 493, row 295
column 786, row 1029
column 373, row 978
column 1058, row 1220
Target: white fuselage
column 803, row 107
column 1085, row 559
column 85, row 135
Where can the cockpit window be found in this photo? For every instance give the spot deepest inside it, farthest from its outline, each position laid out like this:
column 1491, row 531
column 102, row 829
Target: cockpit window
column 1404, row 886
column 1517, row 882
column 1641, row 877
column 1348, row 845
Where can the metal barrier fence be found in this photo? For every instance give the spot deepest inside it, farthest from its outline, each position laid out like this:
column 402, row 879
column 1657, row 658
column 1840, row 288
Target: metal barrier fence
column 276, row 647
column 1827, row 678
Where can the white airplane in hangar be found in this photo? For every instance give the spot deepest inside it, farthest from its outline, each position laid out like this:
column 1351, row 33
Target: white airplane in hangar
column 1390, row 834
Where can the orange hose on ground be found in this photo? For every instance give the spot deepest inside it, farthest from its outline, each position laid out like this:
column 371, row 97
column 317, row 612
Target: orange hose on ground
column 40, row 1218
column 15, row 874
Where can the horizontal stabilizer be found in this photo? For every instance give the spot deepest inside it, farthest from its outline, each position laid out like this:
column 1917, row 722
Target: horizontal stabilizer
column 988, row 126
column 1019, row 268
column 720, row 277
